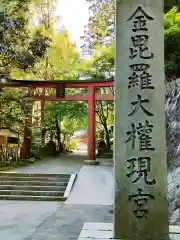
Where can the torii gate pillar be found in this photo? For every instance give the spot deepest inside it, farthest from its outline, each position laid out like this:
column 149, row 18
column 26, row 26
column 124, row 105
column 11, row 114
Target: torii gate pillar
column 91, row 127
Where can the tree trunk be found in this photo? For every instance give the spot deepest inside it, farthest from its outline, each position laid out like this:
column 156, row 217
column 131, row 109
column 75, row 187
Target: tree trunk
column 107, row 136
column 58, row 132
column 43, row 134
column 27, row 143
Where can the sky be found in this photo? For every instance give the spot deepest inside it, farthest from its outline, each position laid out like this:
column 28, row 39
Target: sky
column 74, row 14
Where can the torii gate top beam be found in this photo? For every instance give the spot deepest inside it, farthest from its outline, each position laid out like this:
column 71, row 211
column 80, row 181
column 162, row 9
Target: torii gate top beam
column 66, row 83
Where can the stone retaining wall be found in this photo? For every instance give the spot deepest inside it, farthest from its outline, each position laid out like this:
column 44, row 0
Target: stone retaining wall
column 172, row 110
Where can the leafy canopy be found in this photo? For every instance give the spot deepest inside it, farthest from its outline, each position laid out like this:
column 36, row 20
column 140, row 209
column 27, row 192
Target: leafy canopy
column 172, row 44
column 18, row 47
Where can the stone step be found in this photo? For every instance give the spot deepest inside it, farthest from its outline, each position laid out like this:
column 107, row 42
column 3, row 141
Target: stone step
column 42, row 187
column 33, row 188
column 19, row 174
column 19, row 178
column 31, row 198
column 31, row 193
column 30, row 182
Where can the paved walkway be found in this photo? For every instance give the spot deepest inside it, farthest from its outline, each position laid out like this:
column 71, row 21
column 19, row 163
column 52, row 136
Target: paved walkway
column 23, row 220
column 94, row 185
column 70, row 163
column 67, row 222
column 47, row 220
column 20, row 219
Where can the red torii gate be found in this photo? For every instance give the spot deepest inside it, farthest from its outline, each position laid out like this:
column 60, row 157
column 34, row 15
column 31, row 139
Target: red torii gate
column 91, row 97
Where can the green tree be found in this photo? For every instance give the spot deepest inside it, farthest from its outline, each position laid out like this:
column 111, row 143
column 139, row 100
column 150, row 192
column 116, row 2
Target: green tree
column 102, row 67
column 18, row 47
column 20, row 50
column 100, row 32
column 99, row 42
column 59, row 63
column 22, row 46
column 172, row 44
column 64, row 118
column 61, row 57
column 100, row 27
column 12, row 113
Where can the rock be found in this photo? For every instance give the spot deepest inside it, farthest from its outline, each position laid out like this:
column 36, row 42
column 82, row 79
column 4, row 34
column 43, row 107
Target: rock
column 173, row 206
column 174, row 217
column 172, row 111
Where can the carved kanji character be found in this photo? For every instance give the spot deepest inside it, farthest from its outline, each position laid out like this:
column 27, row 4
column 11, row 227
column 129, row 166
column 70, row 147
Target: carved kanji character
column 144, row 132
column 140, row 166
column 140, row 18
column 140, row 47
column 139, row 105
column 140, row 77
column 141, row 199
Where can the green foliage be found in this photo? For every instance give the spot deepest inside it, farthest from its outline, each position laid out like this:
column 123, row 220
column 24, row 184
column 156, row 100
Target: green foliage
column 12, row 114
column 100, row 28
column 103, row 62
column 31, row 52
column 68, row 127
column 18, row 48
column 99, row 33
column 71, row 125
column 172, row 44
column 99, row 41
column 74, row 110
column 70, row 144
column 60, row 61
column 71, row 116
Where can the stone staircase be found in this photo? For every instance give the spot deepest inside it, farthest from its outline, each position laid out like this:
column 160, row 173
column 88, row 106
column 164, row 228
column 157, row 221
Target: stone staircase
column 35, row 187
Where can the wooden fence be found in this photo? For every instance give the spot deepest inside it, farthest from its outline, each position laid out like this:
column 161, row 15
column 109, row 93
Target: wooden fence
column 9, row 153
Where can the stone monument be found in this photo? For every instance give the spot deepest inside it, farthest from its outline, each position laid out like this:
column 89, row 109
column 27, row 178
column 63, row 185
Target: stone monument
column 141, row 205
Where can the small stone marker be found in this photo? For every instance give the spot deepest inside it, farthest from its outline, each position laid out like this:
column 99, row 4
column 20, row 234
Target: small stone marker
column 141, row 206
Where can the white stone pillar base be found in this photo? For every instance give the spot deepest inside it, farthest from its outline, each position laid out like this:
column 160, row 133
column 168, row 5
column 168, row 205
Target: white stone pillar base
column 100, row 231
